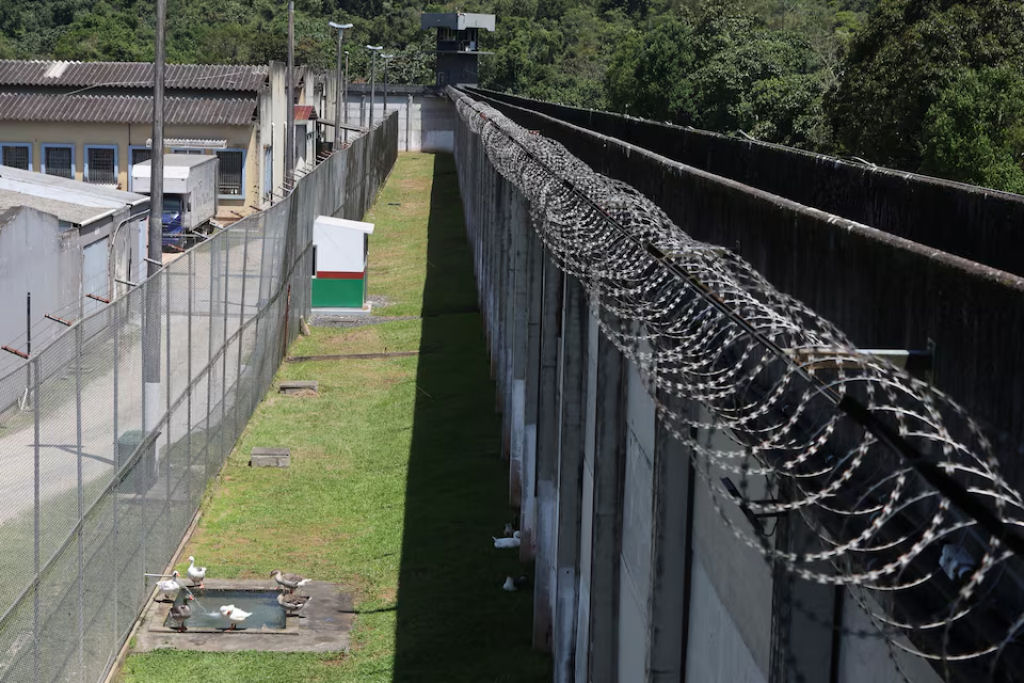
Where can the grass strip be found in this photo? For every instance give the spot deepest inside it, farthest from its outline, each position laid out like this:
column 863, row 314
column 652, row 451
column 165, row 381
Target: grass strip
column 396, row 484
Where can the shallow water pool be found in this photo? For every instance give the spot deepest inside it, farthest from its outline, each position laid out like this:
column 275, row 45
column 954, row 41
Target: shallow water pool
column 266, row 613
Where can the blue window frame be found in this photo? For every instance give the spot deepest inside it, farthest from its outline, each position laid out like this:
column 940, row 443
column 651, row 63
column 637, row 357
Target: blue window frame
column 101, row 164
column 136, row 155
column 231, row 173
column 58, row 160
column 16, row 155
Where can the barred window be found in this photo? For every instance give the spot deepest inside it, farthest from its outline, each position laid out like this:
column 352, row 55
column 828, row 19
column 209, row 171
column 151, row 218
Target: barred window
column 17, row 156
column 59, row 161
column 229, row 180
column 101, row 165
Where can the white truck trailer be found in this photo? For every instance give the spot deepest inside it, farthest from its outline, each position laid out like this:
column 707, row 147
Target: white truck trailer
column 190, row 190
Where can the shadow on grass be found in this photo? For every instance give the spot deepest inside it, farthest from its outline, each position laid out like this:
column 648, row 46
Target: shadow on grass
column 454, row 622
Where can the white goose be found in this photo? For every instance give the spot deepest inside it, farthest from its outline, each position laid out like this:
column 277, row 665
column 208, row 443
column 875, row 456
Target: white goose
column 169, row 586
column 197, row 574
column 507, row 542
column 236, row 615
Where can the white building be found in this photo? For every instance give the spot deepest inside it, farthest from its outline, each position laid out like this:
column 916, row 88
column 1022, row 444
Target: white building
column 70, row 245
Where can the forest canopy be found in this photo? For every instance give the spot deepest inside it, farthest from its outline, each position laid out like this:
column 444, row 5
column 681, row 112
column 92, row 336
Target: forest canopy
column 935, row 86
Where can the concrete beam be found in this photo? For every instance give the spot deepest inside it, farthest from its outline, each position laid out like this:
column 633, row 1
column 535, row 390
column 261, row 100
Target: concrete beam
column 609, row 462
column 546, row 489
column 573, row 376
column 527, row 503
column 670, row 555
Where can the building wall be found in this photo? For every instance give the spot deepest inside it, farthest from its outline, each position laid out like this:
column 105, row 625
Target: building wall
column 37, row 255
column 125, row 136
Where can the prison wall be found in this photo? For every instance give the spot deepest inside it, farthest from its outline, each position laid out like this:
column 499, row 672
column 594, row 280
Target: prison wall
column 976, row 223
column 870, row 283
column 636, row 575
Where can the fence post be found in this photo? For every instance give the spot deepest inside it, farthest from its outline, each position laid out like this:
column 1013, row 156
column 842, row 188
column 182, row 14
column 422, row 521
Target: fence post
column 116, row 313
column 81, row 497
column 241, row 321
column 224, row 347
column 166, row 275
column 188, row 373
column 209, row 364
column 34, row 364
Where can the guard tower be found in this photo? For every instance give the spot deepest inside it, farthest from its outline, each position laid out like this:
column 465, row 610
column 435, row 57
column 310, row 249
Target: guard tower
column 457, row 44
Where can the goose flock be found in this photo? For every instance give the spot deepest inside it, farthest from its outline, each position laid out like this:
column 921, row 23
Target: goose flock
column 168, row 590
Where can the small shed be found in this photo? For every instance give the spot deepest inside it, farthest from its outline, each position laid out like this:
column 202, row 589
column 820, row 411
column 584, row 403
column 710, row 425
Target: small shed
column 339, row 262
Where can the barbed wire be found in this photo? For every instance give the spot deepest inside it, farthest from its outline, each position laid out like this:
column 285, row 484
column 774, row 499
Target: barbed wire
column 896, row 481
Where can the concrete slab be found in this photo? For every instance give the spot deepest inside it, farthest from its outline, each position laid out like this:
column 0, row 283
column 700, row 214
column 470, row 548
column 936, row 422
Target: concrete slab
column 325, row 626
column 299, row 387
column 270, row 457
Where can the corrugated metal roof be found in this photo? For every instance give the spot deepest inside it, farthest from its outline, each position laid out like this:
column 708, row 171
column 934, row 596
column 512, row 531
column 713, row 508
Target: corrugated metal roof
column 69, row 200
column 118, row 109
column 242, row 77
column 304, row 112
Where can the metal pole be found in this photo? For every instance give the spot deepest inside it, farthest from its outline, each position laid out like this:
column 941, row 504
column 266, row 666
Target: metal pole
column 338, row 96
column 209, row 361
column 28, row 335
column 156, row 178
column 224, row 352
column 37, row 529
column 167, row 413
column 188, row 374
column 241, row 323
column 344, row 99
column 151, row 319
column 81, row 500
column 289, row 133
column 373, row 85
column 386, row 58
column 117, row 458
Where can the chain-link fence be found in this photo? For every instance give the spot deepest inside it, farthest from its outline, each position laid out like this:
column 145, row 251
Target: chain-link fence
column 124, row 419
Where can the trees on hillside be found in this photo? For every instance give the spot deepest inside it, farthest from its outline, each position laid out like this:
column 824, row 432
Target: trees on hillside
column 722, row 70
column 923, row 87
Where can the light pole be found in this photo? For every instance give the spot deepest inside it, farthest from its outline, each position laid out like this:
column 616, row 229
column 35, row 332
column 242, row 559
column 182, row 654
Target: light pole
column 289, row 86
column 339, row 92
column 386, row 58
column 345, row 132
column 374, row 49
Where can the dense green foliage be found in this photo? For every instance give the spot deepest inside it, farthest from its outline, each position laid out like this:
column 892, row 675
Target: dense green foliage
column 923, row 85
column 936, row 85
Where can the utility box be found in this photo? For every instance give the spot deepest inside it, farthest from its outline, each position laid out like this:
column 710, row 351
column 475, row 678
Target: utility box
column 339, row 262
column 190, row 190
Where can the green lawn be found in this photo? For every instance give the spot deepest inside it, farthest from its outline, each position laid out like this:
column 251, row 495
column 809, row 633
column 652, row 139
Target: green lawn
column 396, row 483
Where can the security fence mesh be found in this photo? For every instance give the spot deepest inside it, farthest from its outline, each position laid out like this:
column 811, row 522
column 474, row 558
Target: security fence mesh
column 122, row 420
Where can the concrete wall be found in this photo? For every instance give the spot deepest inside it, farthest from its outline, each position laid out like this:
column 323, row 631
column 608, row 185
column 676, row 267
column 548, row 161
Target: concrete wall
column 880, row 289
column 426, row 120
column 976, row 223
column 636, row 578
column 37, row 255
